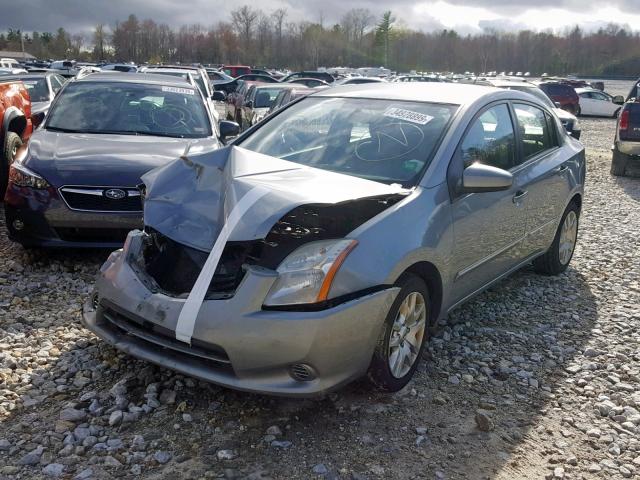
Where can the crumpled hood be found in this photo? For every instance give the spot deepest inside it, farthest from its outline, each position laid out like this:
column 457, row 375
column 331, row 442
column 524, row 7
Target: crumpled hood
column 189, row 200
column 105, row 160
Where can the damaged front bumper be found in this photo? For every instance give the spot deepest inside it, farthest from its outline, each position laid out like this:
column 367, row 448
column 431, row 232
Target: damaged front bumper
column 236, row 343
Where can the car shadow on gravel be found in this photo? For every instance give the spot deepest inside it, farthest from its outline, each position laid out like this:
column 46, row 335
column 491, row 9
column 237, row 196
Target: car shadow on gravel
column 630, row 184
column 485, row 385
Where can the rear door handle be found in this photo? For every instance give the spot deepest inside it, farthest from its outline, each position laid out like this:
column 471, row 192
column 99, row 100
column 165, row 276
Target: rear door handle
column 520, row 194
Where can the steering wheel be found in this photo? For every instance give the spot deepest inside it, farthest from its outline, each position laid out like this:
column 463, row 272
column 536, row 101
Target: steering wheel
column 171, row 116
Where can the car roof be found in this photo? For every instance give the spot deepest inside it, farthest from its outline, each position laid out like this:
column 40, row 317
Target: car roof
column 278, row 86
column 587, row 89
column 433, row 92
column 123, row 77
column 26, row 76
column 511, row 83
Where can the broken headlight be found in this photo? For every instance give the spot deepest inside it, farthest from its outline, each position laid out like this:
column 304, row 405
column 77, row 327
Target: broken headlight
column 305, row 276
column 21, row 176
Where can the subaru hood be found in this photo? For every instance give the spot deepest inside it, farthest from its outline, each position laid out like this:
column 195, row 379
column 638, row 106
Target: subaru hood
column 105, row 160
column 192, row 199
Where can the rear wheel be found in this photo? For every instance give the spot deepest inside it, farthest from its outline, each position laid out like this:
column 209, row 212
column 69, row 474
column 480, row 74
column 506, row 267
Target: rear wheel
column 616, row 113
column 402, row 340
column 619, row 163
column 557, row 258
column 12, row 144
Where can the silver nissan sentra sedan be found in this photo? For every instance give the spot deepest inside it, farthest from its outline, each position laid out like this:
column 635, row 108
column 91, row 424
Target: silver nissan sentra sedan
column 324, row 242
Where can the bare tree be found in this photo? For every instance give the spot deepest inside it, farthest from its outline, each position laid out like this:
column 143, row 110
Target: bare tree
column 244, row 20
column 99, row 41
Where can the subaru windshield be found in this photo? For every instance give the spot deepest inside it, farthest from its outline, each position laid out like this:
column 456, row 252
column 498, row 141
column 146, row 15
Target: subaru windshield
column 128, row 108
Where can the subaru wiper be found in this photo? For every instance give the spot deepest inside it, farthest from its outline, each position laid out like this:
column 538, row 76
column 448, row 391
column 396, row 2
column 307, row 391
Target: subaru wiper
column 64, row 130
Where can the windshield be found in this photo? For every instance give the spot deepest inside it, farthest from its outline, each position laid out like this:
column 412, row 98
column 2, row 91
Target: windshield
column 387, row 141
column 266, row 96
column 38, row 89
column 130, row 108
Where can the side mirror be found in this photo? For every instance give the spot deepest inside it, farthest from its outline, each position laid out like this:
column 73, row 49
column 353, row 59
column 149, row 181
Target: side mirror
column 618, row 100
column 228, row 129
column 219, row 96
column 485, row 178
column 37, row 119
column 248, row 104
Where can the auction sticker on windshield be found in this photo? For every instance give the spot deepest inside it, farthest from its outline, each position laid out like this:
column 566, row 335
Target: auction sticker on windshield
column 186, row 91
column 407, row 115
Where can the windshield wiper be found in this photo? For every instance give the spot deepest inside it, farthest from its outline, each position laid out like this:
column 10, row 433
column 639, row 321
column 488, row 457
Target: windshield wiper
column 117, row 132
column 60, row 129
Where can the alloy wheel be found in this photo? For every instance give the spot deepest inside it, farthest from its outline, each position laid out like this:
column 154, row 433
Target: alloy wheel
column 568, row 235
column 407, row 334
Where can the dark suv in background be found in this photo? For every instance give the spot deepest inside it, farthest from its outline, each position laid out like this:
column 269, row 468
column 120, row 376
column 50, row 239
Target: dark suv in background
column 563, row 95
column 626, row 145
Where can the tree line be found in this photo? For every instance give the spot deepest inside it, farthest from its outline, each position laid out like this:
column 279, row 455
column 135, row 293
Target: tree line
column 254, row 37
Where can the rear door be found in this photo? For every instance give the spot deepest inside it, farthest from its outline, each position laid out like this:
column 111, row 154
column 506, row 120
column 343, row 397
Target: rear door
column 588, row 106
column 489, row 227
column 543, row 171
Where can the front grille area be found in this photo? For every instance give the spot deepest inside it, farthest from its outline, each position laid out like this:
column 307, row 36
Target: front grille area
column 175, row 267
column 97, row 235
column 93, row 199
column 129, row 324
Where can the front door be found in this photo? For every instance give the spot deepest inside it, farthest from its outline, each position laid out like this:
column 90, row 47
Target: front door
column 488, row 227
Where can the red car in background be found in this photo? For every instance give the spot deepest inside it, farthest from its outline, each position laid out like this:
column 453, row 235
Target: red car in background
column 16, row 124
column 563, row 95
column 236, row 70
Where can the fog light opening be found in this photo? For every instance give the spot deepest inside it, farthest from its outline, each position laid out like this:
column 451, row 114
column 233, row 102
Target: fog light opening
column 95, row 301
column 302, row 372
column 18, row 224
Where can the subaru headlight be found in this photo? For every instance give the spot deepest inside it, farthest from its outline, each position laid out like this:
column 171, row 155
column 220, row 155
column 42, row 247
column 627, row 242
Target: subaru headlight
column 23, row 177
column 306, row 275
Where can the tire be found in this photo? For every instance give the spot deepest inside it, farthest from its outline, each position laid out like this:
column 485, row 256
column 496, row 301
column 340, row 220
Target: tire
column 616, row 113
column 12, row 142
column 557, row 259
column 380, row 372
column 619, row 163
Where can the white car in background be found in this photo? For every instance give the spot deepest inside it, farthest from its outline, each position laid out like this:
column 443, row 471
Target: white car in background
column 597, row 103
column 193, row 76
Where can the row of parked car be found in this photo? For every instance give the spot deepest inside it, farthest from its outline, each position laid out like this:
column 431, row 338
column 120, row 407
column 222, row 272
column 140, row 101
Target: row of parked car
column 109, row 115
column 264, row 238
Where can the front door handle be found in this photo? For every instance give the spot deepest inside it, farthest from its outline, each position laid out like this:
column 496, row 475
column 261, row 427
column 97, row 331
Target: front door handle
column 562, row 169
column 519, row 196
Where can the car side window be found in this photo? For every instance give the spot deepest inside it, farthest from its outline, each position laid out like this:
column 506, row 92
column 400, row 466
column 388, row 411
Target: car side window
column 490, row 139
column 535, row 132
column 56, row 83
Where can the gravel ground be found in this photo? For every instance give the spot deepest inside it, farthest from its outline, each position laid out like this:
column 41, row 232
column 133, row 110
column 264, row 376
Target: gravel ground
column 537, row 378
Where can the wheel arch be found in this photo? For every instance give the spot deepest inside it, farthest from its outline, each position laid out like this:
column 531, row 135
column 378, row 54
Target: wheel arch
column 14, row 121
column 429, row 273
column 577, row 199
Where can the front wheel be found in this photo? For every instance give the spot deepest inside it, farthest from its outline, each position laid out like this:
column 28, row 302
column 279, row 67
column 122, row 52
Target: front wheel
column 12, row 144
column 403, row 337
column 557, row 258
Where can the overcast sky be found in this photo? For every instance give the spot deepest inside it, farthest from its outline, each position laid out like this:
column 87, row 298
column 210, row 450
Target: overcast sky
column 466, row 16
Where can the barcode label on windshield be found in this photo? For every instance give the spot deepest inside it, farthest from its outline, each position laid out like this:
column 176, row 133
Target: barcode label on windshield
column 185, row 91
column 407, row 115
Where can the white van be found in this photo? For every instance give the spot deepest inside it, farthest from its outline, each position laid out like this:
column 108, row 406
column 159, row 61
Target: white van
column 9, row 63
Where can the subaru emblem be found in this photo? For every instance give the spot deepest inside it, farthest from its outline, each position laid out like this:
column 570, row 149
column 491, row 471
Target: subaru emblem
column 115, row 194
